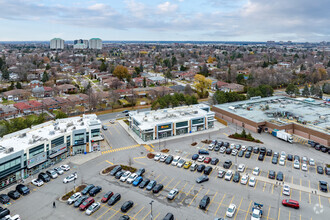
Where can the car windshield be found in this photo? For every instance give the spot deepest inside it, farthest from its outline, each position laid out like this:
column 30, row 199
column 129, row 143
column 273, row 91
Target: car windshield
column 251, row 180
column 230, row 210
column 255, row 215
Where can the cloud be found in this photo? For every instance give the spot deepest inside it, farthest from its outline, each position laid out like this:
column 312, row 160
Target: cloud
column 167, row 7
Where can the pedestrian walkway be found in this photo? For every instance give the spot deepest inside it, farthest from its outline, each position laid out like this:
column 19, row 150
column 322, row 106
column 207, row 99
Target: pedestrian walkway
column 300, row 140
column 120, row 149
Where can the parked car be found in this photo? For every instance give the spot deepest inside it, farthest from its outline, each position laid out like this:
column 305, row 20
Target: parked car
column 290, row 203
column 241, row 168
column 324, row 149
column 222, row 150
column 234, row 152
column 74, row 198
column 238, row 147
column 207, row 160
column 52, row 173
column 181, row 163
column 13, row 194
column 269, row 152
column 87, row 189
column 131, row 178
column 201, row 151
column 271, row 174
column 115, row 170
column 187, row 164
column 114, row 199
column 296, row 157
column 241, row 153
column 290, row 157
column 140, row 171
column 231, row 210
column 248, row 154
column 252, row 181
column 323, row 186
column 157, row 188
column 244, row 179
column 320, row 170
column 22, row 189
column 169, row 159
column 70, row 178
column 221, row 173
column 274, row 160
column 208, row 170
column 86, row 203
column 119, row 174
column 125, row 176
column 311, row 162
column 201, row 158
column 256, row 150
column 104, row 127
column 236, row 177
column 65, row 167
column 304, row 167
column 175, row 161
column 228, row 151
column 144, row 183
column 137, row 181
column 256, row 171
column 204, row 202
column 124, row 217
column 211, row 147
column 249, row 149
column 79, row 201
column 151, row 185
column 157, row 157
column 44, row 177
column 107, row 196
column 126, row 206
column 226, row 144
column 202, row 179
column 327, row 170
column 279, row 176
column 217, row 147
column 95, row 190
column 4, row 198
column 200, row 168
column 261, row 157
column 244, row 148
column 163, row 158
column 195, row 156
column 286, row 190
column 229, row 175
column 263, row 150
column 282, row 161
column 171, row 195
column 193, row 167
column 296, row 164
column 93, row 208
column 227, row 164
column 59, row 170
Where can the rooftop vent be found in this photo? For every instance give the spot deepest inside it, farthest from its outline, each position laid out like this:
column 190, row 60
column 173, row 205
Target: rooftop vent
column 22, row 135
column 9, row 150
column 51, row 132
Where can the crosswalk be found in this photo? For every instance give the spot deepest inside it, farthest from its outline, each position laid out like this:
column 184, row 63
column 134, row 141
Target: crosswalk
column 147, row 147
column 299, row 140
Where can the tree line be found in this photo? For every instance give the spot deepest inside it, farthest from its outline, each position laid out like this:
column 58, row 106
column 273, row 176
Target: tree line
column 178, row 99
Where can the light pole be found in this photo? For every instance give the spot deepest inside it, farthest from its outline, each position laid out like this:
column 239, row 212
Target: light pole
column 151, row 209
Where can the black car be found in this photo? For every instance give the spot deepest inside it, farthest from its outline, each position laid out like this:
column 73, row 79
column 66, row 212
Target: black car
column 4, row 212
column 228, row 151
column 327, row 170
column 115, row 198
column 261, row 157
column 202, row 179
column 269, row 152
column 249, row 149
column 124, row 217
column 204, row 202
column 157, row 188
column 323, row 186
column 226, row 144
column 296, row 157
column 140, row 171
column 144, row 183
column 119, row 174
column 263, row 150
column 237, row 146
column 227, row 164
column 271, row 174
column 274, row 160
column 200, row 168
column 318, row 147
column 87, row 189
column 44, row 177
column 95, row 190
column 115, row 170
column 279, row 176
column 256, row 150
column 248, row 154
column 290, row 157
column 127, row 205
column 312, row 143
column 276, row 154
column 24, row 190
column 207, row 170
column 220, row 143
column 14, row 194
column 214, row 161
column 241, row 153
column 4, row 198
column 205, row 152
column 169, row 216
column 169, row 159
column 324, row 149
column 195, row 156
column 236, row 177
column 80, row 201
column 319, row 170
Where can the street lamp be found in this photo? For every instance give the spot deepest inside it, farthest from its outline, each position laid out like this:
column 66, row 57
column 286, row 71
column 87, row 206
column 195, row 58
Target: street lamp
column 151, row 209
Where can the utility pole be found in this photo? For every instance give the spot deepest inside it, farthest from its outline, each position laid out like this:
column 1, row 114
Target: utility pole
column 151, row 217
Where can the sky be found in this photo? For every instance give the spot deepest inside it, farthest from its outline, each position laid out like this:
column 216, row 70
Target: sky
column 166, row 20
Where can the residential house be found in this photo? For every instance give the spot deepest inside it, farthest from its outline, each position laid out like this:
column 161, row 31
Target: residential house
column 232, row 87
column 38, row 92
column 157, row 80
column 23, row 108
column 66, row 88
column 7, row 111
column 48, row 91
column 35, row 83
column 218, row 85
column 178, row 88
column 138, row 81
column 50, row 103
column 16, row 94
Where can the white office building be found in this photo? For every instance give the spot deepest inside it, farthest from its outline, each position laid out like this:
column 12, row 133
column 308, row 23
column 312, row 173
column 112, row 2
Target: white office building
column 80, row 44
column 95, row 43
column 57, row 43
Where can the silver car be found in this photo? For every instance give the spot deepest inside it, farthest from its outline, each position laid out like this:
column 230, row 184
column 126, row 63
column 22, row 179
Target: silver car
column 171, row 195
column 92, row 208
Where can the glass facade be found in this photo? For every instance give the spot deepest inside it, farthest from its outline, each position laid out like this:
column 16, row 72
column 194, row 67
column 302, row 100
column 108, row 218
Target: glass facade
column 197, row 121
column 181, row 124
column 36, row 150
column 57, row 141
column 164, row 127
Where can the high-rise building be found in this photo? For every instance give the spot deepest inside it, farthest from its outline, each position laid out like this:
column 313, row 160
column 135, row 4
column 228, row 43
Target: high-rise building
column 95, row 43
column 57, row 43
column 80, row 44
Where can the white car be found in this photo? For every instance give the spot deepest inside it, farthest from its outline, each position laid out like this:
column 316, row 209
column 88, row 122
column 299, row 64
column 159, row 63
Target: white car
column 131, row 178
column 65, row 167
column 311, row 162
column 201, row 158
column 172, row 194
column 296, row 164
column 229, row 175
column 252, row 181
column 112, row 121
column 93, row 208
column 244, row 179
column 282, row 161
column 232, row 146
column 234, row 152
column 283, row 154
column 211, row 147
column 37, row 182
column 304, row 167
column 256, row 171
column 74, row 198
column 70, row 178
column 241, row 168
column 231, row 210
column 176, row 160
column 157, row 157
column 181, row 163
column 286, row 190
column 125, row 176
column 59, row 170
column 163, row 157
column 304, row 159
column 243, row 148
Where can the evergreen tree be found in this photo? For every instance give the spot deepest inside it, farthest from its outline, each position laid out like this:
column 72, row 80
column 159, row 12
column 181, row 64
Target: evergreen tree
column 290, row 89
column 305, row 91
column 47, row 66
column 296, row 91
column 144, row 82
column 18, row 85
column 312, row 90
column 45, row 77
column 103, row 67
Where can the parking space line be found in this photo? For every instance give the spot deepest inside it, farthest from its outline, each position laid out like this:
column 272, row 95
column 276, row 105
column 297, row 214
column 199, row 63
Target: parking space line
column 229, row 204
column 256, row 184
column 138, row 213
column 320, row 201
column 177, row 184
column 104, row 213
column 289, row 215
column 220, row 204
column 292, row 180
column 211, row 201
column 157, row 177
column 195, row 196
column 248, row 210
column 279, row 212
column 273, row 188
column 168, row 183
column 238, row 208
column 146, row 215
column 163, row 179
column 186, row 193
column 264, row 187
column 157, row 216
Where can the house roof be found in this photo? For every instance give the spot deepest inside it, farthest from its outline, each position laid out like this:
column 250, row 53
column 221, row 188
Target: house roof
column 34, row 103
column 22, row 106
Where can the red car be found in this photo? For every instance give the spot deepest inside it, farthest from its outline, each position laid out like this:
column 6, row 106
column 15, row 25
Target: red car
column 207, row 160
column 86, row 203
column 291, row 203
column 106, row 197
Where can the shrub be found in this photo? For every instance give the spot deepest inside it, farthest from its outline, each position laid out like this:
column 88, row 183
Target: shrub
column 150, row 155
column 129, row 168
column 108, row 169
column 165, row 150
column 194, row 144
column 69, row 194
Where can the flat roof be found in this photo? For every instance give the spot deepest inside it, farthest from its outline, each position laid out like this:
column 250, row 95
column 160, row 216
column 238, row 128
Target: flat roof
column 23, row 139
column 150, row 119
column 313, row 114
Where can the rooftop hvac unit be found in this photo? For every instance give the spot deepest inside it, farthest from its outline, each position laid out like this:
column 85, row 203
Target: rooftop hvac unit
column 31, row 141
column 9, row 150
column 74, row 127
column 145, row 119
column 195, row 112
column 82, row 123
column 51, row 132
column 22, row 135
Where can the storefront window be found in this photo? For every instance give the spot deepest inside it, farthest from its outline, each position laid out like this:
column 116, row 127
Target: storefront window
column 197, row 121
column 182, row 124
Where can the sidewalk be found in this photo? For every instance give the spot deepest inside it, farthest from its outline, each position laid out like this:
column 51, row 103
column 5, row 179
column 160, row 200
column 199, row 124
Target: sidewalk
column 217, row 127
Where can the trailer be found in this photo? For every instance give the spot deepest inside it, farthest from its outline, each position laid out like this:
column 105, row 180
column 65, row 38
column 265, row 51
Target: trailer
column 256, row 211
column 283, row 136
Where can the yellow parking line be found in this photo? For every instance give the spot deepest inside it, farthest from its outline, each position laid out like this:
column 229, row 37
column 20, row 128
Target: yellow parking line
column 109, row 162
column 211, row 201
column 186, row 193
column 157, row 177
column 248, row 210
column 292, row 179
column 238, row 208
column 268, row 212
column 106, row 212
column 289, row 215
column 178, row 184
column 138, row 213
column 163, row 179
column 256, row 184
column 320, row 201
column 279, row 212
column 157, row 216
column 273, row 189
column 264, row 187
column 168, row 183
column 220, row 204
column 195, row 196
column 146, row 215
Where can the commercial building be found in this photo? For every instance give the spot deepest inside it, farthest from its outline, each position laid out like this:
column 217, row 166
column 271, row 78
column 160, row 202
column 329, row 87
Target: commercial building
column 95, row 43
column 28, row 151
column 57, row 44
column 303, row 117
column 80, row 44
column 170, row 122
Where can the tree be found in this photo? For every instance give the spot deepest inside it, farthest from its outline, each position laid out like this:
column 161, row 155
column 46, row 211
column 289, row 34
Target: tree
column 319, row 93
column 137, row 70
column 296, row 91
column 202, row 84
column 45, row 77
column 60, row 114
column 120, row 72
column 326, row 88
column 141, row 67
column 240, row 79
column 183, row 68
column 47, row 66
column 312, row 90
column 328, row 64
column 174, row 61
column 18, row 85
column 168, row 74
column 5, row 73
column 290, row 89
column 305, row 91
column 103, row 66
column 204, row 70
column 11, row 87
column 144, row 82
column 266, row 90
column 188, row 90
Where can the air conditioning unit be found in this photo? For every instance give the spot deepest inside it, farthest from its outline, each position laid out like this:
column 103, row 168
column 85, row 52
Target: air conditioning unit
column 51, row 132
column 9, row 150
column 22, row 135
